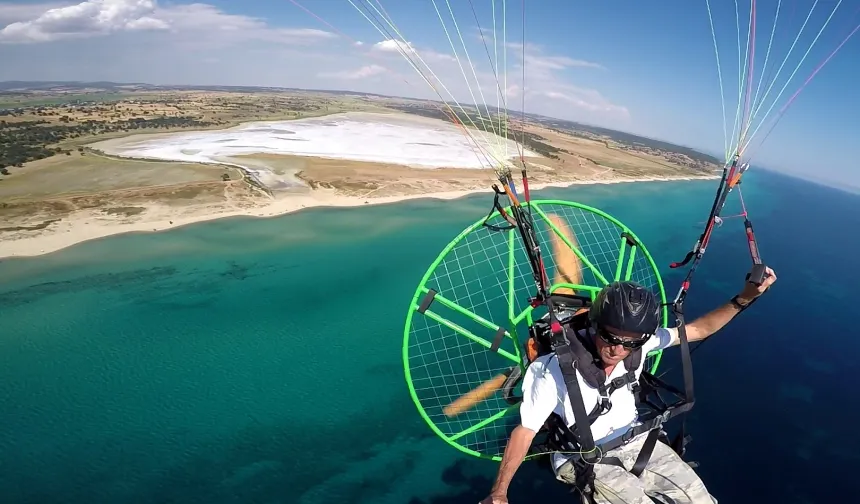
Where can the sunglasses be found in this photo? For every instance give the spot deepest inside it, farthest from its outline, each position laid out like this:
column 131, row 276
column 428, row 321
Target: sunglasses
column 612, row 339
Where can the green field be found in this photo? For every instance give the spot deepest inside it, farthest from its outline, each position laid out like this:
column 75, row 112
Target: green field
column 12, row 102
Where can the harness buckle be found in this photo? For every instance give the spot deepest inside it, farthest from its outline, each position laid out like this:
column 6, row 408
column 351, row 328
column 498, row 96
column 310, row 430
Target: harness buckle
column 627, row 436
column 603, row 392
column 604, row 402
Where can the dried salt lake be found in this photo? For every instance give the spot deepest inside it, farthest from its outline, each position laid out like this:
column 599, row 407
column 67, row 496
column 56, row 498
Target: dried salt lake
column 358, row 136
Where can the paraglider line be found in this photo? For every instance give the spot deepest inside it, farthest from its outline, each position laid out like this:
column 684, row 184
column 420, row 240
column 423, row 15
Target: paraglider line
column 720, row 77
column 784, row 61
column 736, row 126
column 701, row 245
column 772, row 66
column 450, row 112
column 462, row 70
column 496, row 75
column 743, row 206
column 323, row 21
column 384, row 31
column 781, row 91
column 523, row 90
column 767, row 54
column 750, row 73
column 808, row 79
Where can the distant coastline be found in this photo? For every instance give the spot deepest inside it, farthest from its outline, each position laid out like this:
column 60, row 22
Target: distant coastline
column 86, row 225
column 212, row 155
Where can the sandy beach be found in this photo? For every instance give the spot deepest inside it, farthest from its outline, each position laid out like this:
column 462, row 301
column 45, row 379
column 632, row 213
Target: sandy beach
column 84, row 225
column 153, row 182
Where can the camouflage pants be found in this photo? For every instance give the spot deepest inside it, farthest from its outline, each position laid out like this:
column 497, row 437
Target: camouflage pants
column 667, row 478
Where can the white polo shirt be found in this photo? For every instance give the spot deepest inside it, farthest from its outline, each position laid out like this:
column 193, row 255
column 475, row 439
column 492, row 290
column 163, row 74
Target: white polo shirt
column 544, row 392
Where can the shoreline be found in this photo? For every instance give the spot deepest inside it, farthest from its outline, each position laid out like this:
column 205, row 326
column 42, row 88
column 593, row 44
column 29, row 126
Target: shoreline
column 86, row 225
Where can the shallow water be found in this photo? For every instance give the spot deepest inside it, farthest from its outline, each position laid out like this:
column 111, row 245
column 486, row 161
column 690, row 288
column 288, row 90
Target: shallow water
column 259, row 360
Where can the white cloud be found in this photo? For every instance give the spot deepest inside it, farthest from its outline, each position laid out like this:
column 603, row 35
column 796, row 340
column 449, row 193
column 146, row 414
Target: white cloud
column 93, row 17
column 548, row 90
column 393, row 46
column 198, row 43
column 558, row 62
column 361, row 73
column 206, row 26
column 103, row 17
column 586, row 99
column 536, row 58
column 400, row 47
column 11, row 13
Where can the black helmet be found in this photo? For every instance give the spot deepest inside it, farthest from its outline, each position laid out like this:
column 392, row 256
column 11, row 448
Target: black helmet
column 626, row 306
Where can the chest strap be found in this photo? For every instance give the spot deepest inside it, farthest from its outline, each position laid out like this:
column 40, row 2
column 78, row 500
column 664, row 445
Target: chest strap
column 604, row 403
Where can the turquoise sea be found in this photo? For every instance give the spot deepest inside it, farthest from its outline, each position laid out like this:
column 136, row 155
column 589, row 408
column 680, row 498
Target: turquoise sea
column 259, row 360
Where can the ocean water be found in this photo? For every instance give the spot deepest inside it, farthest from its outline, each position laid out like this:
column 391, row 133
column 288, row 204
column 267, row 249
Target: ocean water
column 259, row 360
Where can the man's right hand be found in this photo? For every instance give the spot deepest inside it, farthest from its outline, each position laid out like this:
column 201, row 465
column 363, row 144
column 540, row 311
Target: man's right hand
column 515, row 451
column 752, row 291
column 495, row 499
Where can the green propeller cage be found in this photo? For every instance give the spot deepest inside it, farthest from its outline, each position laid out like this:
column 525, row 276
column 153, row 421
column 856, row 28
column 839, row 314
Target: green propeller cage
column 469, row 316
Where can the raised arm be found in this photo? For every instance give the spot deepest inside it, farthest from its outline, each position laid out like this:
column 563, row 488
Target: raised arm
column 708, row 324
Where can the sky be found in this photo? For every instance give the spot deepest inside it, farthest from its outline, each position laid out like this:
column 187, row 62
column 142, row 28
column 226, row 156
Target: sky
column 643, row 67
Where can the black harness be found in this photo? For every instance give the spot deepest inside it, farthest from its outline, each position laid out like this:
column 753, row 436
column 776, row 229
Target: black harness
column 575, row 350
column 580, row 339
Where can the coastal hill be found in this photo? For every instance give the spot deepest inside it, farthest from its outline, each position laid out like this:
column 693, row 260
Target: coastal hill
column 66, row 155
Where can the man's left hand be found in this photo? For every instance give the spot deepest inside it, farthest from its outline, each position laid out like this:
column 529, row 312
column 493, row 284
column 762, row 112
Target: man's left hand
column 752, row 291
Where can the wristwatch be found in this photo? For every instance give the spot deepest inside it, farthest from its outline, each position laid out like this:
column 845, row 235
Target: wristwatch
column 738, row 305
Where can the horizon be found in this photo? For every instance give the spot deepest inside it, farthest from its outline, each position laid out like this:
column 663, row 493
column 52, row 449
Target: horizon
column 57, row 83
column 654, row 74
column 331, row 90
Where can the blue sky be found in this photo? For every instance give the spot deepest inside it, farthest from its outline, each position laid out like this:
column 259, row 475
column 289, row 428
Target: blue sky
column 644, row 67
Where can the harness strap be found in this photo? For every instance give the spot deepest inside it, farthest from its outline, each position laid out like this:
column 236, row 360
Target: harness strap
column 650, row 425
column 680, row 442
column 645, row 453
column 686, row 361
column 629, row 379
column 583, row 427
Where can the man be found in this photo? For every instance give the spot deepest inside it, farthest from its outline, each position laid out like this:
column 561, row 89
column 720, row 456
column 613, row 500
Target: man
column 625, row 317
